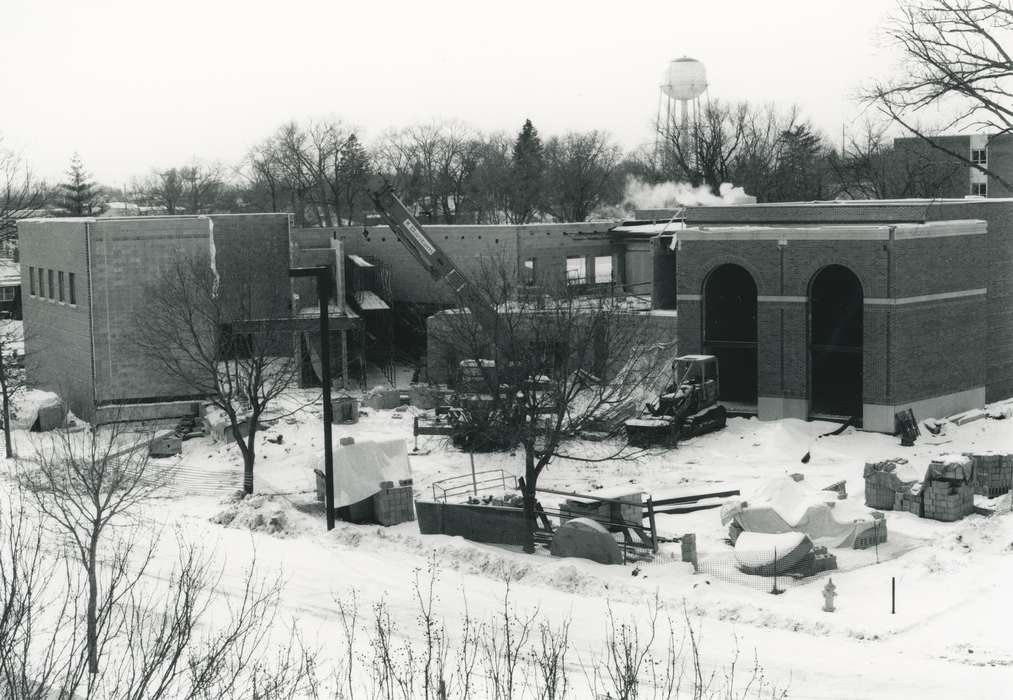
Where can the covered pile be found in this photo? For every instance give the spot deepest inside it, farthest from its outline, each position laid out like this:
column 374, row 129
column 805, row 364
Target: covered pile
column 784, row 505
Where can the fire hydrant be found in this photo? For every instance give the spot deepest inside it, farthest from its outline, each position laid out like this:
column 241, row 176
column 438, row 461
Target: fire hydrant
column 829, row 593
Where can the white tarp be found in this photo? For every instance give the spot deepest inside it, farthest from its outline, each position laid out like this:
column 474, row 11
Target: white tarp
column 360, row 468
column 783, row 505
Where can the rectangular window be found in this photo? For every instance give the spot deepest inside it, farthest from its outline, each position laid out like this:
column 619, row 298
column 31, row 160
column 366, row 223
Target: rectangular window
column 42, row 282
column 602, row 269
column 49, row 283
column 576, row 270
column 979, row 156
column 529, row 271
column 59, row 277
column 70, row 285
column 979, row 189
column 31, row 281
column 6, row 294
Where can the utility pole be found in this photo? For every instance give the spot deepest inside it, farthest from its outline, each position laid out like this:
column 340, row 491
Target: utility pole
column 324, row 282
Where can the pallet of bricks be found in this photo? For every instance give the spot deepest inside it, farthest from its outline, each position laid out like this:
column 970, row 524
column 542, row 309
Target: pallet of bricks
column 993, row 473
column 394, row 504
column 889, row 485
column 949, row 488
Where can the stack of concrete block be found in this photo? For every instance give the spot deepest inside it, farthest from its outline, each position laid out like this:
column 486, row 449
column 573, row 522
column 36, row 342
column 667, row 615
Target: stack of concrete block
column 394, row 505
column 993, row 473
column 948, row 500
column 872, row 536
column 910, row 501
column 882, row 483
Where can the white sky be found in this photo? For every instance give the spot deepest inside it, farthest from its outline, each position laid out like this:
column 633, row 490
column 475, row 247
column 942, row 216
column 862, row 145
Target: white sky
column 137, row 84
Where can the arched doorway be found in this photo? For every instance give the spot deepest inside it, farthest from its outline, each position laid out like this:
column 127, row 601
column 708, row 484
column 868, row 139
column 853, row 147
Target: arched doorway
column 835, row 343
column 729, row 331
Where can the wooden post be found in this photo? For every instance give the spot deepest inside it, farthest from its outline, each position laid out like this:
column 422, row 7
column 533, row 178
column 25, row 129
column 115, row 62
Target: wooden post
column 654, row 529
column 344, row 359
column 893, row 595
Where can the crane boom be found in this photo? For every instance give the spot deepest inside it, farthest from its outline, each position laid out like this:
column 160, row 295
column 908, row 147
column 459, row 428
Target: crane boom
column 429, row 254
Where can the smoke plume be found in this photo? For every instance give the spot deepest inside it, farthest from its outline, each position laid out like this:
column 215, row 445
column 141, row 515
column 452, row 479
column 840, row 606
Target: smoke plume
column 667, row 195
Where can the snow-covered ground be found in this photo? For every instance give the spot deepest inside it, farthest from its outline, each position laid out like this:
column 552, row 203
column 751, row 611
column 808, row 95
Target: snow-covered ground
column 948, row 638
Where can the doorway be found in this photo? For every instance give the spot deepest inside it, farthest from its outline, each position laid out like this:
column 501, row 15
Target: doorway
column 835, row 343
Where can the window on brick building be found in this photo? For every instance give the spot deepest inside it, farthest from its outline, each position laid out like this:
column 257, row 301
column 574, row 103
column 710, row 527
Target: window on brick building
column 49, row 283
column 59, row 277
column 603, row 269
column 70, row 288
column 979, row 189
column 979, row 156
column 31, row 281
column 42, row 282
column 529, row 271
column 6, row 294
column 576, row 270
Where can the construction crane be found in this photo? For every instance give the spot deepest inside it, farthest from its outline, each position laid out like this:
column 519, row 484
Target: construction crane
column 429, row 254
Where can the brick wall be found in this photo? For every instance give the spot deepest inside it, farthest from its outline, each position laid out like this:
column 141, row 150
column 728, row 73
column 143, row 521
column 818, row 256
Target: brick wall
column 58, row 353
column 474, row 248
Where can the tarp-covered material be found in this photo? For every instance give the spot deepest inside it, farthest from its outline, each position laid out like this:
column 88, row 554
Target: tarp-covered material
column 767, row 555
column 784, row 505
column 884, row 480
column 360, row 468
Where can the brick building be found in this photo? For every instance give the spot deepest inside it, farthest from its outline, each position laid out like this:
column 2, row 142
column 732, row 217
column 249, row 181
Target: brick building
column 851, row 308
column 85, row 282
column 956, row 177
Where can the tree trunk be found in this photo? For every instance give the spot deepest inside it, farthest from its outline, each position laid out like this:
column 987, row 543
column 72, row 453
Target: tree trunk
column 248, row 459
column 530, row 481
column 91, row 631
column 6, row 408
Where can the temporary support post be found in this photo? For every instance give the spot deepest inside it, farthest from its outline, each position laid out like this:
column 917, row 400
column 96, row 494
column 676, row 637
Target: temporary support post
column 654, row 530
column 322, row 273
column 893, row 595
column 344, row 359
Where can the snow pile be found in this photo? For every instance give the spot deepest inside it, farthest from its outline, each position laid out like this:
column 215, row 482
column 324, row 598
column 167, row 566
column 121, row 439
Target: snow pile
column 27, row 405
column 755, row 550
column 258, row 514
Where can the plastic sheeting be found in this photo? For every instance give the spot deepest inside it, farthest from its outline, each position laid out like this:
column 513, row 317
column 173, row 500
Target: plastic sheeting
column 360, row 468
column 759, row 553
column 784, row 505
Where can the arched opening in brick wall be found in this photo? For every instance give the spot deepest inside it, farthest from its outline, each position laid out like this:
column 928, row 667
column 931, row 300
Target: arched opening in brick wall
column 729, row 331
column 835, row 343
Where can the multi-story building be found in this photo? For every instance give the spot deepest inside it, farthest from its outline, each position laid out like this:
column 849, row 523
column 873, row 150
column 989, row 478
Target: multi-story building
column 956, row 177
column 85, row 283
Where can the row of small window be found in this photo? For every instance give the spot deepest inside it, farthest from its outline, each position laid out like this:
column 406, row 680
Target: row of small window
column 979, row 189
column 54, row 285
column 979, row 156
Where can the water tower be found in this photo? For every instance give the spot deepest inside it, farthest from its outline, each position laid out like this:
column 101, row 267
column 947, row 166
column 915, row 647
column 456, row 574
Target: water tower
column 685, row 80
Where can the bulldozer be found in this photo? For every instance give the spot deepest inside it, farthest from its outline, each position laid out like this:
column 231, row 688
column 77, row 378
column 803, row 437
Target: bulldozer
column 688, row 406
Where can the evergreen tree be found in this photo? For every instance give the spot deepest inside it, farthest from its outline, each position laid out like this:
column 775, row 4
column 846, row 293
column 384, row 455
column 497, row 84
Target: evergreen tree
column 79, row 194
column 527, row 168
column 351, row 177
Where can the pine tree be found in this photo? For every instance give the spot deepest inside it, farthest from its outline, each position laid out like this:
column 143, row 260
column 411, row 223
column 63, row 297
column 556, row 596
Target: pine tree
column 527, row 168
column 79, row 194
column 353, row 171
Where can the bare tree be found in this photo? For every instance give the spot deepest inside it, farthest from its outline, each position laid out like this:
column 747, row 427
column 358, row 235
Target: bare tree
column 12, row 373
column 573, row 358
column 165, row 189
column 20, row 193
column 83, row 486
column 872, row 168
column 200, row 185
column 956, row 56
column 432, row 166
column 207, row 332
column 581, row 173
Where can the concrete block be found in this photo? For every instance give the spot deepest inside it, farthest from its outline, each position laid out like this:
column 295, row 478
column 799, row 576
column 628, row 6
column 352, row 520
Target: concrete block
column 165, row 447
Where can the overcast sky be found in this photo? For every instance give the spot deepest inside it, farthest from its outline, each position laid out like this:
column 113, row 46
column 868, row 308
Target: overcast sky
column 136, row 84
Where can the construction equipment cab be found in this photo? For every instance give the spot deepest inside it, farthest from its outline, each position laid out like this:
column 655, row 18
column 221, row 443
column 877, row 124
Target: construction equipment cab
column 687, row 407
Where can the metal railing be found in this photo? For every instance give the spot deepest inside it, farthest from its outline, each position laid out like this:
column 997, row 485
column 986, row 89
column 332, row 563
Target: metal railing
column 474, row 483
